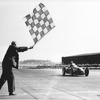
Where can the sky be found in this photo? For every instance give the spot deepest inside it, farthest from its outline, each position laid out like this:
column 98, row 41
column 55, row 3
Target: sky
column 77, row 28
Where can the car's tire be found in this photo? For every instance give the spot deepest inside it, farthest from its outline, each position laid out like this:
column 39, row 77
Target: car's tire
column 71, row 71
column 63, row 71
column 86, row 71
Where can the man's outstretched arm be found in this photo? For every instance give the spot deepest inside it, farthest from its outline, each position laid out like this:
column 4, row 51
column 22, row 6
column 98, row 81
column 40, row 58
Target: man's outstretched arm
column 22, row 49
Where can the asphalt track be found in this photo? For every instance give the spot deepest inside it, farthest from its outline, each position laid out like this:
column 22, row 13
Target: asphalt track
column 49, row 84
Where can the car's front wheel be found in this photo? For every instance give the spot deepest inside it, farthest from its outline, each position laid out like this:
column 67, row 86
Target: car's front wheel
column 71, row 71
column 63, row 71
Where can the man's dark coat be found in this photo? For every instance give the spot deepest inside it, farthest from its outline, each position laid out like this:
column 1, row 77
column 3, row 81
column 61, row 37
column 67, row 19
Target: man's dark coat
column 11, row 58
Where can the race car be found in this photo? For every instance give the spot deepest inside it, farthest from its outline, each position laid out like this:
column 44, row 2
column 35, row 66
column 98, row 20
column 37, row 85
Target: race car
column 75, row 70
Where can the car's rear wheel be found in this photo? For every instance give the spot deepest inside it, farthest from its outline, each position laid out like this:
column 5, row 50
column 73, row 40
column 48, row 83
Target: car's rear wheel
column 63, row 71
column 86, row 71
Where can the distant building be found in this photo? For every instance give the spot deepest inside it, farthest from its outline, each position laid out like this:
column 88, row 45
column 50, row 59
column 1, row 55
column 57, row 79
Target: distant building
column 93, row 58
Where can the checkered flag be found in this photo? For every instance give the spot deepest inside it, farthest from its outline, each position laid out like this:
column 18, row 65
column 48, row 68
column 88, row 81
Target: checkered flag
column 39, row 22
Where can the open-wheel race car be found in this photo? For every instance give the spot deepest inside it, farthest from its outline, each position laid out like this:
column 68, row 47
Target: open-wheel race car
column 73, row 69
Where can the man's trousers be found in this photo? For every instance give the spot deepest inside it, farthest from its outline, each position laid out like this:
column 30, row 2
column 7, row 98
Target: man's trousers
column 10, row 81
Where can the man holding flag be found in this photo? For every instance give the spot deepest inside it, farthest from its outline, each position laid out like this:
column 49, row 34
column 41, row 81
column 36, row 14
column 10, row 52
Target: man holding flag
column 10, row 61
column 39, row 24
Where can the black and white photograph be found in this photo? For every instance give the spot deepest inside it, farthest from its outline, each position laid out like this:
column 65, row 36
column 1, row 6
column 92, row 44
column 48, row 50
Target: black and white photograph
column 49, row 49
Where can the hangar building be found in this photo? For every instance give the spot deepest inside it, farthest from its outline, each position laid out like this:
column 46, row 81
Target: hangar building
column 93, row 58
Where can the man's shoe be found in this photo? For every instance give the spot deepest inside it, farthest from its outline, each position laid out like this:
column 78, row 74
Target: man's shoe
column 11, row 94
